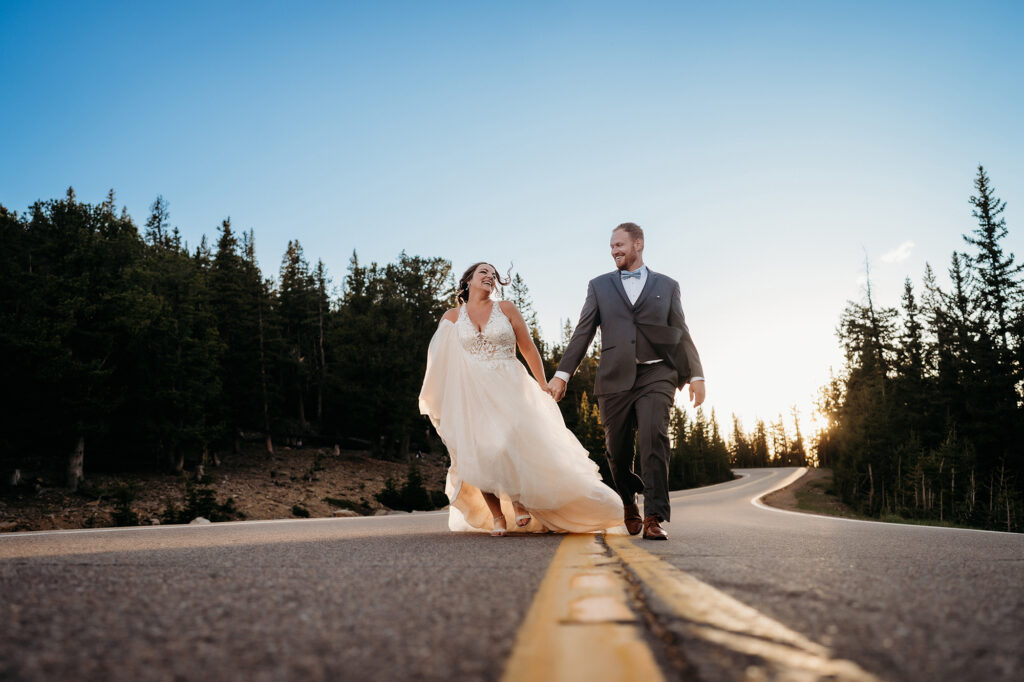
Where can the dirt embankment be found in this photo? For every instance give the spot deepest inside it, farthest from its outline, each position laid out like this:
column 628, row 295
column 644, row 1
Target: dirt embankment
column 813, row 492
column 262, row 487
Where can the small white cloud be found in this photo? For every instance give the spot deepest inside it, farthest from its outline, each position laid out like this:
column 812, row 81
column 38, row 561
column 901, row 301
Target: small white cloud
column 899, row 254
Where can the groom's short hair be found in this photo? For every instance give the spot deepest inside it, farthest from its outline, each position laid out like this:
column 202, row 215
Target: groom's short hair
column 632, row 229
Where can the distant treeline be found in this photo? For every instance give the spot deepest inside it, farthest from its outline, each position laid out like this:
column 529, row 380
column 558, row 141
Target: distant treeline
column 926, row 418
column 125, row 344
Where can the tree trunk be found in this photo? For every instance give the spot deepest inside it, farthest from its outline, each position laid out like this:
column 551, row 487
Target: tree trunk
column 177, row 459
column 263, row 373
column 76, row 465
column 991, row 494
column 871, row 491
column 952, row 488
column 323, row 363
column 941, row 509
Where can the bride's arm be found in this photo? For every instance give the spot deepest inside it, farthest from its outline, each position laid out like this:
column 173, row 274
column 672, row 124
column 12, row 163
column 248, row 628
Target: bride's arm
column 525, row 342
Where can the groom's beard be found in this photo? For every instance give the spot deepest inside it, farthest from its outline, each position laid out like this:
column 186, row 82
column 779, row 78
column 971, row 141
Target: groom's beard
column 624, row 266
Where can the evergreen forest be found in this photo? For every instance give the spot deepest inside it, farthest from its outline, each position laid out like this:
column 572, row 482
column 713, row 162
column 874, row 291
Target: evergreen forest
column 127, row 350
column 925, row 419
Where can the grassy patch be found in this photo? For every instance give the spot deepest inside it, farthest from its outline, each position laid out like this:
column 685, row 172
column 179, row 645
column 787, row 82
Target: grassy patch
column 896, row 518
column 818, row 497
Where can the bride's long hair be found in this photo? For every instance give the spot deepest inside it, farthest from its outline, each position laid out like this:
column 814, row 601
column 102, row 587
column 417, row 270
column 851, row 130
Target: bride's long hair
column 462, row 295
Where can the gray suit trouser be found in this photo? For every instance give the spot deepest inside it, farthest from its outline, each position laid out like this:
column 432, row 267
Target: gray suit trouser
column 641, row 414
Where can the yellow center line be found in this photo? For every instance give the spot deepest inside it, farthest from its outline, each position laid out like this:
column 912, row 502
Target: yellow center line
column 720, row 620
column 580, row 625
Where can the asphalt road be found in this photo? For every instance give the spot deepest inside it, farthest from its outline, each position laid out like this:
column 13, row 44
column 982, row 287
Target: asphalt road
column 399, row 597
column 903, row 602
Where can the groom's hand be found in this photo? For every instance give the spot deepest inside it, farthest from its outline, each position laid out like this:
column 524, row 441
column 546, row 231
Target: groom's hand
column 557, row 387
column 697, row 392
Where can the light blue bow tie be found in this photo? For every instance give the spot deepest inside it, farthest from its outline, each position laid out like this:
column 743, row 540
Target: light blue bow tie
column 627, row 275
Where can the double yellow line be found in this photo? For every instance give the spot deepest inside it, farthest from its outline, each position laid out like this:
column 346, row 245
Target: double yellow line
column 584, row 624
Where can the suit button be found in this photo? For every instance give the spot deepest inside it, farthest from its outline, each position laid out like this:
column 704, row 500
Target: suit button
column 633, row 341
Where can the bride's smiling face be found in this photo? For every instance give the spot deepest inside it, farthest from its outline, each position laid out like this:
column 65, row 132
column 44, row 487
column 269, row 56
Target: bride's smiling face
column 485, row 278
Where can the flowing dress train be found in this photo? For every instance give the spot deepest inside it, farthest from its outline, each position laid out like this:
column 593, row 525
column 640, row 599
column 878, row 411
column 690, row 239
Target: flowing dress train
column 506, row 436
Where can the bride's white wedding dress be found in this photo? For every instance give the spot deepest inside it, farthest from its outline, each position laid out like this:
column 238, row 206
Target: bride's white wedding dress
column 506, row 436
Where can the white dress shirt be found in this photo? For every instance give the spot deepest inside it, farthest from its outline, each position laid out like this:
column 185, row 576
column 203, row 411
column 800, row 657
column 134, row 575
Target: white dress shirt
column 633, row 286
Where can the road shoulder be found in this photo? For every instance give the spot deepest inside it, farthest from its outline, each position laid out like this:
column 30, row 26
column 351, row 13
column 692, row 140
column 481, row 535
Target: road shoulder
column 811, row 493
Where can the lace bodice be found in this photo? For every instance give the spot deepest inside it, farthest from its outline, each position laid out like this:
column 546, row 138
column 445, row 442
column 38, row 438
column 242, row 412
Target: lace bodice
column 496, row 342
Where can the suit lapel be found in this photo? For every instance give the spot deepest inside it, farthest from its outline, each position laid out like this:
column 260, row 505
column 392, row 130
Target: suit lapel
column 648, row 285
column 617, row 285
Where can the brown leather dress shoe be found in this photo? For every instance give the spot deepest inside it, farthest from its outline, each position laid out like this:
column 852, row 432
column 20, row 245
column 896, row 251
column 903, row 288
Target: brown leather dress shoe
column 653, row 529
column 631, row 516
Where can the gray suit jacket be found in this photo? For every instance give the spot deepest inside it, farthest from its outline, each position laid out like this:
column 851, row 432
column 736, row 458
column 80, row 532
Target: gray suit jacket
column 652, row 328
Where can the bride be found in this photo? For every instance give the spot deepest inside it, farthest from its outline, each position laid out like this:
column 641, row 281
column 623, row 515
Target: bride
column 510, row 451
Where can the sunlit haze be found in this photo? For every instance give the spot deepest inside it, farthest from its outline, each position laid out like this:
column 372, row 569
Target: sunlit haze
column 768, row 150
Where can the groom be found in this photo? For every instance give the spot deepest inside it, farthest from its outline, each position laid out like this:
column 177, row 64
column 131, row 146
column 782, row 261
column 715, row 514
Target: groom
column 646, row 355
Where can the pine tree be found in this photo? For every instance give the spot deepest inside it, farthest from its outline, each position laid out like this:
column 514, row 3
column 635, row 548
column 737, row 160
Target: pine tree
column 298, row 309
column 999, row 286
column 759, row 445
column 779, row 443
column 742, row 451
column 797, row 450
column 383, row 327
column 520, row 297
column 80, row 307
column 911, row 395
column 158, row 231
column 236, row 290
column 716, row 461
column 322, row 312
column 998, row 290
column 262, row 295
column 175, row 386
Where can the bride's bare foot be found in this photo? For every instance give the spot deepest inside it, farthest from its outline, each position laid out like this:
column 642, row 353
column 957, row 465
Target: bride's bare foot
column 499, row 531
column 523, row 517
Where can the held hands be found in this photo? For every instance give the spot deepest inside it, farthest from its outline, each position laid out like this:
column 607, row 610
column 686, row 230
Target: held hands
column 697, row 392
column 556, row 387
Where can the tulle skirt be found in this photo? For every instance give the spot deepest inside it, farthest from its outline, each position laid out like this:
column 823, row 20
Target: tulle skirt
column 506, row 436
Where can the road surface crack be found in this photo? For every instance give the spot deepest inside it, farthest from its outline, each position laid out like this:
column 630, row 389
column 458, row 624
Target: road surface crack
column 665, row 643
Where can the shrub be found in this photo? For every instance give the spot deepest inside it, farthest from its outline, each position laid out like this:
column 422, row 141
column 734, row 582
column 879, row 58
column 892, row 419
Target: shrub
column 360, row 507
column 123, row 496
column 200, row 501
column 412, row 496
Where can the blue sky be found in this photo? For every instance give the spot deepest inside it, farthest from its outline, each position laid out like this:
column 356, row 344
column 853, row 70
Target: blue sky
column 766, row 148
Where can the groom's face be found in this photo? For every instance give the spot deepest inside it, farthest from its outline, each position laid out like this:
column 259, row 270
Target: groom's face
column 626, row 251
